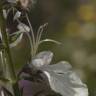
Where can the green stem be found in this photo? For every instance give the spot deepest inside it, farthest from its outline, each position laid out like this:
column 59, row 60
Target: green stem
column 32, row 35
column 11, row 72
column 5, row 42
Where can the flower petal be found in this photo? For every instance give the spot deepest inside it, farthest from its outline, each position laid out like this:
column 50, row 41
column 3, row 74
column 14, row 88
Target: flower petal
column 17, row 15
column 65, row 82
column 43, row 58
column 23, row 27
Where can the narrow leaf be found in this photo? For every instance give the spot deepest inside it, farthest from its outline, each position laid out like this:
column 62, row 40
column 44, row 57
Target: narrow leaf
column 16, row 33
column 50, row 40
column 3, row 79
column 17, row 41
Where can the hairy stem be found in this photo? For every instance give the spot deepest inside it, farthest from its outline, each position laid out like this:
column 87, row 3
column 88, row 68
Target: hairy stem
column 11, row 72
column 6, row 45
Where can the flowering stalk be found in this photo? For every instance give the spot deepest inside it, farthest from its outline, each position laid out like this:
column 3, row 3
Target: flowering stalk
column 11, row 72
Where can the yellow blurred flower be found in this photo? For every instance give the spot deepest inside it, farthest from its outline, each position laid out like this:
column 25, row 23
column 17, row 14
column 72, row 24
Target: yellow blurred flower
column 86, row 12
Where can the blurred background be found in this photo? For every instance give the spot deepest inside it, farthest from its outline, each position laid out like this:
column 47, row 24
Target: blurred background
column 73, row 23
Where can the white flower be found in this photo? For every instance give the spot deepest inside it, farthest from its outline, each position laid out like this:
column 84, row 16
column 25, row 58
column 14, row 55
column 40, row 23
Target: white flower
column 17, row 15
column 61, row 77
column 23, row 27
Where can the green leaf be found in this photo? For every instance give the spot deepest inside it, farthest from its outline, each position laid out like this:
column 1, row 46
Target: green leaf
column 4, row 80
column 50, row 40
column 15, row 39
